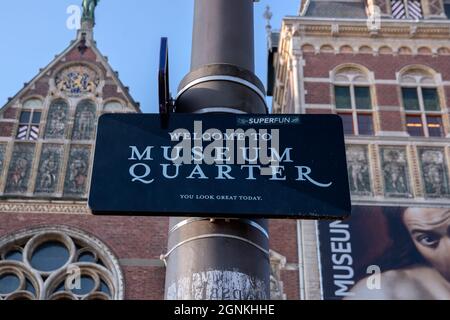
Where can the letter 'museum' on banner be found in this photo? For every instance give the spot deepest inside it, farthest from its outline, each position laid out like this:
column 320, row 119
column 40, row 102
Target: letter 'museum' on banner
column 387, row 253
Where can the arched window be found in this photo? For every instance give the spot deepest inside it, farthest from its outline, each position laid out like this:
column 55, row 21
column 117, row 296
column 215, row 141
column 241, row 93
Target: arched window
column 29, row 120
column 113, row 107
column 33, row 103
column 57, row 120
column 58, row 263
column 353, row 101
column 85, row 118
column 421, row 102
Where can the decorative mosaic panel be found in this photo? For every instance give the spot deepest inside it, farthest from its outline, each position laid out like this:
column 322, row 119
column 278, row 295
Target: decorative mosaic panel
column 383, row 5
column 435, row 7
column 85, row 118
column 394, row 166
column 77, row 80
column 49, row 168
column 20, row 168
column 57, row 120
column 434, row 172
column 77, row 171
column 358, row 170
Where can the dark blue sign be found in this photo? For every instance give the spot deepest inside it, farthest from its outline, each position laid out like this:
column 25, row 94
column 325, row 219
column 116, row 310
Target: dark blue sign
column 260, row 166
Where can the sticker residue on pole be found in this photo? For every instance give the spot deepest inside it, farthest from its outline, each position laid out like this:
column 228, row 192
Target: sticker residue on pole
column 217, row 285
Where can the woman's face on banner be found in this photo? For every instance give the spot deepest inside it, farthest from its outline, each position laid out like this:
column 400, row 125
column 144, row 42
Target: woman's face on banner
column 430, row 231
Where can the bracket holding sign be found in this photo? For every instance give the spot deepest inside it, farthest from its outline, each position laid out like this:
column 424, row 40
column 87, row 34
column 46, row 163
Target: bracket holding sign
column 166, row 103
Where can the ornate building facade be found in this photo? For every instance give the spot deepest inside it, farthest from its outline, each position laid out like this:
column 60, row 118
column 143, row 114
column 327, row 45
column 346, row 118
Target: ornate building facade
column 51, row 246
column 383, row 67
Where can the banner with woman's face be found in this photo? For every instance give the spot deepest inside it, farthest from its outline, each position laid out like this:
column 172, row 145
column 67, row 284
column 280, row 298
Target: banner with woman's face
column 386, row 253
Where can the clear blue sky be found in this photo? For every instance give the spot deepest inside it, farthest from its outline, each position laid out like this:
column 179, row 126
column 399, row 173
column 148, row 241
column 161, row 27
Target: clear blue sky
column 128, row 32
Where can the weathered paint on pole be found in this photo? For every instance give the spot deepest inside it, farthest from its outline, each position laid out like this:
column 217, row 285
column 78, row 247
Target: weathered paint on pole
column 220, row 259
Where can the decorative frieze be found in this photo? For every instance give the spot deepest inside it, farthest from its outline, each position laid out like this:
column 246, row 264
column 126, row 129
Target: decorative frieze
column 434, row 172
column 19, row 171
column 75, row 183
column 57, row 120
column 44, row 207
column 395, row 170
column 85, row 118
column 77, row 80
column 49, row 169
column 359, row 170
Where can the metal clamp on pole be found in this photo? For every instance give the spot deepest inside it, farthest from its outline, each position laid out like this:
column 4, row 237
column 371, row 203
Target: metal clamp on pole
column 224, row 85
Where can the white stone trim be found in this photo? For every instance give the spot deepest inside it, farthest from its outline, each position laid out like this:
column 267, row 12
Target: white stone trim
column 29, row 239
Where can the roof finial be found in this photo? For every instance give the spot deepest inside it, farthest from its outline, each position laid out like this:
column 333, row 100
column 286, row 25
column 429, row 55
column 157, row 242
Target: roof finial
column 268, row 16
column 89, row 12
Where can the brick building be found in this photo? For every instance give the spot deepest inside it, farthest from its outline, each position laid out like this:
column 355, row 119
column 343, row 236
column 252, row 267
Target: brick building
column 384, row 67
column 51, row 246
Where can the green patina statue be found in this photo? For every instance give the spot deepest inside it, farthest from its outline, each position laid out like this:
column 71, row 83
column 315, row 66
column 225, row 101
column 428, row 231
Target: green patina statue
column 89, row 9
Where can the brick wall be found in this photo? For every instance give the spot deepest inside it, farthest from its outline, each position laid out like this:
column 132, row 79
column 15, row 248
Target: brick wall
column 283, row 240
column 384, row 66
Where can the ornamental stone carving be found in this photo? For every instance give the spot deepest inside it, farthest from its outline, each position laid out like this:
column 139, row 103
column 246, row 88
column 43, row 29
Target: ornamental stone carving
column 49, row 168
column 394, row 166
column 85, row 118
column 57, row 120
column 77, row 80
column 77, row 171
column 358, row 170
column 20, row 168
column 434, row 172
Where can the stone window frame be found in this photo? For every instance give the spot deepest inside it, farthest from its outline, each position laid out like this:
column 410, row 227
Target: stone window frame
column 352, row 72
column 32, row 110
column 45, row 283
column 422, row 77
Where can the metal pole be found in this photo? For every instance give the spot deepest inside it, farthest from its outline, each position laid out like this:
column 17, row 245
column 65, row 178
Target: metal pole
column 217, row 259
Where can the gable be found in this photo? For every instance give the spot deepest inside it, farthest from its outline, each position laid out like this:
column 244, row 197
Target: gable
column 47, row 131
